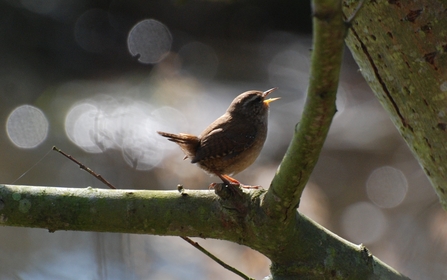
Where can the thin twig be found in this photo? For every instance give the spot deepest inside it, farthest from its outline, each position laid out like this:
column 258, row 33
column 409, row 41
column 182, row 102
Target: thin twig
column 214, row 258
column 82, row 166
column 29, row 169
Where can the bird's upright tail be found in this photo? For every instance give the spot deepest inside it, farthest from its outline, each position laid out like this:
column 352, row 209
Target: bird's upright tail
column 187, row 142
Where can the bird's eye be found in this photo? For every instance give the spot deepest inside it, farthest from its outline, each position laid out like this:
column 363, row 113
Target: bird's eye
column 253, row 100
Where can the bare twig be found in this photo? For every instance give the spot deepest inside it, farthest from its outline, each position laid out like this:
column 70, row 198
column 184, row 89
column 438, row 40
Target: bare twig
column 29, row 169
column 214, row 258
column 83, row 167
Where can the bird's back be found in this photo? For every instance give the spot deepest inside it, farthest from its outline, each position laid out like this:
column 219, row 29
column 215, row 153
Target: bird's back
column 229, row 145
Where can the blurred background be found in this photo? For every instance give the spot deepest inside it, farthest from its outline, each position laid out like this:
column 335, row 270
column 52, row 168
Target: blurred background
column 98, row 78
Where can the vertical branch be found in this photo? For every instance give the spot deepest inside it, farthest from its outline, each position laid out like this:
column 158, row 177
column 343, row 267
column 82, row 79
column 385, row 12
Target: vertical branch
column 285, row 190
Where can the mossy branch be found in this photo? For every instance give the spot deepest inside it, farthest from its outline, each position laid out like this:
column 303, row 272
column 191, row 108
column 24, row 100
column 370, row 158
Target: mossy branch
column 130, row 211
column 303, row 250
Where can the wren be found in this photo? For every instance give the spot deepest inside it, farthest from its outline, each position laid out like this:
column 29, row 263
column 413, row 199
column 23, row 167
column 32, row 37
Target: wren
column 232, row 142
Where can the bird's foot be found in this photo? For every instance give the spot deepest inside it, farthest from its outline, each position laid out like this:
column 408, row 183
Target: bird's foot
column 233, row 185
column 225, row 190
column 231, row 181
column 220, row 185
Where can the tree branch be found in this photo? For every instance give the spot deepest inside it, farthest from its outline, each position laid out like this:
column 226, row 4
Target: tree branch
column 285, row 190
column 307, row 249
column 190, row 213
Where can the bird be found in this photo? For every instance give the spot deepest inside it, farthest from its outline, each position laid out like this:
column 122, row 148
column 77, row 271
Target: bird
column 233, row 141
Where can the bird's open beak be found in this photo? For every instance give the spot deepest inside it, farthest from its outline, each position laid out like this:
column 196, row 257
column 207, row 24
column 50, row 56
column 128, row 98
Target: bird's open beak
column 267, row 101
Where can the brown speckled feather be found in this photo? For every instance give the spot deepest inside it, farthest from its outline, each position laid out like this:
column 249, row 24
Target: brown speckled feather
column 226, row 141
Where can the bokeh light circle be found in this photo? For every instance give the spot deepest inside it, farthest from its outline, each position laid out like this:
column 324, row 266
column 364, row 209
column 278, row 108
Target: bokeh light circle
column 27, row 126
column 363, row 222
column 387, row 187
column 150, row 40
column 81, row 125
column 138, row 149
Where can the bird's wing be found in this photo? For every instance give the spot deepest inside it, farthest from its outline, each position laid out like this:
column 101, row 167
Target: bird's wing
column 226, row 141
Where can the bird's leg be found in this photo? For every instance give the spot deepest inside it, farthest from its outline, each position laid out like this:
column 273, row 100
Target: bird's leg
column 231, row 181
column 228, row 180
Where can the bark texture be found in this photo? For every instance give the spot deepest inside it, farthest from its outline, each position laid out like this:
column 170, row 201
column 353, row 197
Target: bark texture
column 401, row 48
